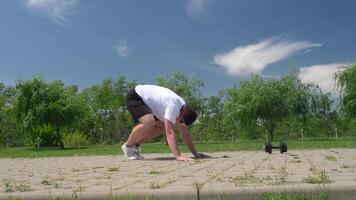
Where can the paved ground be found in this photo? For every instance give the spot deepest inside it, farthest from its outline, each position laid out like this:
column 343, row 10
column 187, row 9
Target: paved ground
column 244, row 174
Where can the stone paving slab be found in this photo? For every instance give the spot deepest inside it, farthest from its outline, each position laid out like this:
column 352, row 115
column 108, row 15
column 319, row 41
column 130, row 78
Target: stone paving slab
column 244, row 174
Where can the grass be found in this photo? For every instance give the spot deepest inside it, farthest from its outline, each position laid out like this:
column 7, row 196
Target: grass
column 154, row 172
column 163, row 148
column 154, row 185
column 114, row 169
column 330, row 158
column 292, row 196
column 13, row 186
column 321, row 178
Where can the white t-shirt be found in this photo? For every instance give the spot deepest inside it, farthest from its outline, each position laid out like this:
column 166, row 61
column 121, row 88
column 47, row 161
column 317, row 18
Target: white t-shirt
column 164, row 103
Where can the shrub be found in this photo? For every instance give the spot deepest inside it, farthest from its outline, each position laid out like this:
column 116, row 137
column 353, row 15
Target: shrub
column 75, row 140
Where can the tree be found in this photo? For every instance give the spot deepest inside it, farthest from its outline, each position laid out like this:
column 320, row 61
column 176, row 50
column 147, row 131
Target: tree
column 210, row 121
column 260, row 102
column 8, row 127
column 40, row 104
column 108, row 120
column 346, row 82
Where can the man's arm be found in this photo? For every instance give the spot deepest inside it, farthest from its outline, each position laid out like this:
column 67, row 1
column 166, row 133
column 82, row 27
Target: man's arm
column 171, row 139
column 187, row 139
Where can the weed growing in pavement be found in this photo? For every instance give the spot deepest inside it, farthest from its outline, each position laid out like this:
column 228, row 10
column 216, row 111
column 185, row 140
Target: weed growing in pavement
column 113, row 169
column 321, row 178
column 8, row 186
column 79, row 188
column 46, row 182
column 74, row 196
column 154, row 172
column 154, row 185
column 330, row 158
column 11, row 186
column 198, row 187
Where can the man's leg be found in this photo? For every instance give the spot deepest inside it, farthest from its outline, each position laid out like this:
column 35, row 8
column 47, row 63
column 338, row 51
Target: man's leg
column 157, row 130
column 140, row 131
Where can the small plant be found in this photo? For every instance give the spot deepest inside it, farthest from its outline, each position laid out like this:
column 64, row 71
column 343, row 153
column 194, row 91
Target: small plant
column 150, row 198
column 75, row 196
column 23, row 187
column 113, row 169
column 245, row 179
column 154, row 172
column 75, row 140
column 321, row 178
column 154, row 185
column 13, row 187
column 284, row 171
column 330, row 158
column 226, row 156
column 79, row 188
column 46, row 182
column 283, row 196
column 8, row 186
column 198, row 187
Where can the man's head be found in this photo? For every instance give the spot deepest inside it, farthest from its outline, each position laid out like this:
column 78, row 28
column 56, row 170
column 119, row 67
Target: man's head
column 189, row 115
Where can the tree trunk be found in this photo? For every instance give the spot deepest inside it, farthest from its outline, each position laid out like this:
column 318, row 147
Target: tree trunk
column 302, row 134
column 59, row 137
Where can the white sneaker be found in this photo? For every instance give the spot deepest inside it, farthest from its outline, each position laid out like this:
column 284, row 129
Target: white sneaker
column 137, row 152
column 131, row 153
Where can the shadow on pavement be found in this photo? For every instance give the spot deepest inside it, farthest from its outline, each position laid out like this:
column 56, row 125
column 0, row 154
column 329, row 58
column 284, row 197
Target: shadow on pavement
column 173, row 158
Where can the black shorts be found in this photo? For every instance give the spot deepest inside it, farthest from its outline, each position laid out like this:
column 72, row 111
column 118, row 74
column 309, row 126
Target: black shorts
column 136, row 106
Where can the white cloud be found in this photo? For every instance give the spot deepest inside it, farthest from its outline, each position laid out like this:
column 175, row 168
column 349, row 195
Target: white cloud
column 253, row 58
column 195, row 8
column 55, row 10
column 322, row 75
column 122, row 49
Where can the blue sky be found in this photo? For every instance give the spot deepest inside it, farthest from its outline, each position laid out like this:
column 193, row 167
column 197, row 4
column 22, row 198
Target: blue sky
column 84, row 41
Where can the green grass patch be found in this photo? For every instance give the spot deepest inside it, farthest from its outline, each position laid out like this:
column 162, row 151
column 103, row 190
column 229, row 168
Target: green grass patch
column 154, row 172
column 321, row 178
column 242, row 145
column 293, row 196
column 330, row 158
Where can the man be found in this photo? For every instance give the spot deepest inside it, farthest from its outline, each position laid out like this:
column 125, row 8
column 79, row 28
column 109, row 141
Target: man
column 158, row 110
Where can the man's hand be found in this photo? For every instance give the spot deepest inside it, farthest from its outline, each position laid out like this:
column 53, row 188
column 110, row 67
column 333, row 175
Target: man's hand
column 183, row 158
column 201, row 155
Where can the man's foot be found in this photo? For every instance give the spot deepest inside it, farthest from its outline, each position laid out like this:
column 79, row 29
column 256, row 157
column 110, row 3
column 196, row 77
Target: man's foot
column 131, row 153
column 138, row 151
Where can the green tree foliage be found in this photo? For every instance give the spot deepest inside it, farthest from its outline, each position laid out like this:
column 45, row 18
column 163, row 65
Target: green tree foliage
column 40, row 103
column 346, row 82
column 109, row 121
column 211, row 125
column 266, row 103
column 9, row 136
column 40, row 113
